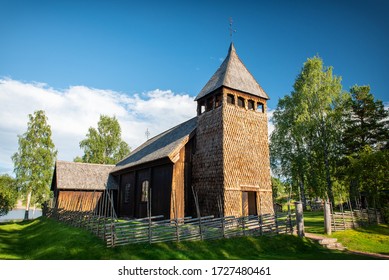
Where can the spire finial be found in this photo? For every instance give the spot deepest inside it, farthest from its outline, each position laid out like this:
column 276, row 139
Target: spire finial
column 232, row 31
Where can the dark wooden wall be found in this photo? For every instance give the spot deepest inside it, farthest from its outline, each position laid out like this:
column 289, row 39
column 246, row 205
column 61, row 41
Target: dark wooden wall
column 127, row 195
column 160, row 182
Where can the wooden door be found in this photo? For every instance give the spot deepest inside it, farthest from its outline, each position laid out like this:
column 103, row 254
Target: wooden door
column 249, row 203
column 252, row 200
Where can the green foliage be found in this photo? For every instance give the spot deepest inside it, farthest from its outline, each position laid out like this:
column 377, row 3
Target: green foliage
column 366, row 121
column 306, row 141
column 47, row 239
column 8, row 194
column 34, row 161
column 279, row 189
column 364, row 167
column 369, row 169
column 104, row 144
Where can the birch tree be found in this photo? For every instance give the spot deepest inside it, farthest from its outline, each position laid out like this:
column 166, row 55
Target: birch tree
column 34, row 160
column 104, row 145
column 306, row 139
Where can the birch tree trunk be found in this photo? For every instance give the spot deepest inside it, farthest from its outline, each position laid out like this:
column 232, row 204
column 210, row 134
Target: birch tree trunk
column 27, row 205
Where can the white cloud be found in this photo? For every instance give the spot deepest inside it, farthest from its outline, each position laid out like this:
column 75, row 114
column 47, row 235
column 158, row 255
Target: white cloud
column 270, row 125
column 72, row 111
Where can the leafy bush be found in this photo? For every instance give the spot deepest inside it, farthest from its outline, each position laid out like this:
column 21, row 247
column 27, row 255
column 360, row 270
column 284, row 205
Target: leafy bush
column 8, row 194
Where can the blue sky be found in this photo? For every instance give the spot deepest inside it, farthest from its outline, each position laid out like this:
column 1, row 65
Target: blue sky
column 150, row 52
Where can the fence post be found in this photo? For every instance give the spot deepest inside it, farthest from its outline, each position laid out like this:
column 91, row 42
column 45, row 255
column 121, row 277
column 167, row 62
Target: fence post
column 327, row 218
column 352, row 212
column 275, row 218
column 299, row 218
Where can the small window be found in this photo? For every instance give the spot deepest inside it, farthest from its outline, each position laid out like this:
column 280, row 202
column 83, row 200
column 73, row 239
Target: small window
column 127, row 189
column 250, row 104
column 218, row 100
column 145, row 191
column 200, row 108
column 209, row 106
column 230, row 99
column 260, row 107
column 241, row 102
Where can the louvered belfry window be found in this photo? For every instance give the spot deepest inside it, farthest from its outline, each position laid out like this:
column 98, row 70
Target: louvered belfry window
column 250, row 104
column 230, row 99
column 260, row 107
column 218, row 100
column 241, row 102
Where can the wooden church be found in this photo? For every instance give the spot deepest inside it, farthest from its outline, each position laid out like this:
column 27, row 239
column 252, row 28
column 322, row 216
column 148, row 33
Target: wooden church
column 220, row 158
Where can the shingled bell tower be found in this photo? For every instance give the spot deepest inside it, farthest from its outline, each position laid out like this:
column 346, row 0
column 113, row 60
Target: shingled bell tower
column 231, row 166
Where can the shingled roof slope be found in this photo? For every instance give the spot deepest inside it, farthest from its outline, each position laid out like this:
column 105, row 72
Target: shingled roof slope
column 83, row 176
column 233, row 73
column 164, row 145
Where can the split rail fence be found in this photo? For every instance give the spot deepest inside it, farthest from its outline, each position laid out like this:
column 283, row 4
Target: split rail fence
column 356, row 218
column 103, row 223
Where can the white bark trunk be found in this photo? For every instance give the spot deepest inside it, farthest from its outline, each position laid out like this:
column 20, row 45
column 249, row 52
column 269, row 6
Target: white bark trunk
column 27, row 205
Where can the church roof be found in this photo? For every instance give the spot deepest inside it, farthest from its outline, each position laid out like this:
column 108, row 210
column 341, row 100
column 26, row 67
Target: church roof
column 82, row 176
column 165, row 145
column 233, row 73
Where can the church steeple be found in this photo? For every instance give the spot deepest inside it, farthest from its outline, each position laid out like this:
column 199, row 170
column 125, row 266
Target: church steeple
column 231, row 162
column 233, row 74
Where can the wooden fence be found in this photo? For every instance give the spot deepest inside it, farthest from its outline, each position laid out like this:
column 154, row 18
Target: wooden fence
column 154, row 229
column 356, row 218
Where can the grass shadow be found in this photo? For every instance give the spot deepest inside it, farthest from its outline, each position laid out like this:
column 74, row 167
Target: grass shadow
column 50, row 240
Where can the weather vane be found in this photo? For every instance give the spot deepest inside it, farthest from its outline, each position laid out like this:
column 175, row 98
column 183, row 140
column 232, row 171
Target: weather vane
column 147, row 133
column 232, row 31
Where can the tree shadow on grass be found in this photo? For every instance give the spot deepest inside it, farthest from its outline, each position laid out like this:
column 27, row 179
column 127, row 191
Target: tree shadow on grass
column 48, row 239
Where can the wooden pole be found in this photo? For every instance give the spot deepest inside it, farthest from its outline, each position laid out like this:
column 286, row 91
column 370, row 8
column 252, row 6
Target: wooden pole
column 99, row 211
column 275, row 218
column 290, row 210
column 333, row 215
column 352, row 212
column 176, row 217
column 149, row 215
column 112, row 225
column 219, row 203
column 260, row 216
column 342, row 210
column 90, row 212
column 299, row 219
column 327, row 218
column 198, row 212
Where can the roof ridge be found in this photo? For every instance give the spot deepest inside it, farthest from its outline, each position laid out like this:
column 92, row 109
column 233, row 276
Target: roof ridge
column 230, row 50
column 162, row 146
column 85, row 163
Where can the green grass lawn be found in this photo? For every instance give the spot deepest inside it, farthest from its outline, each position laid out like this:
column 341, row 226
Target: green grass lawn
column 373, row 239
column 47, row 239
column 314, row 222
